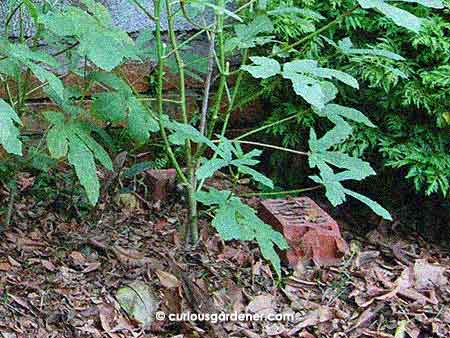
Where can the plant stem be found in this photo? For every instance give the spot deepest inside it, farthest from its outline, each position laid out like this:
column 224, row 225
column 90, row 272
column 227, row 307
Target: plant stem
column 221, row 66
column 205, row 103
column 200, row 32
column 43, row 84
column 192, row 226
column 159, row 93
column 190, row 20
column 267, row 126
column 230, row 108
column 68, row 48
column 184, row 43
column 143, row 9
column 234, row 95
column 285, row 192
column 265, row 145
column 10, row 16
column 317, row 32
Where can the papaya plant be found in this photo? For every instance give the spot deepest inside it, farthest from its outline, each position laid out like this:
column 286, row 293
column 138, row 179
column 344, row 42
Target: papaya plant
column 94, row 49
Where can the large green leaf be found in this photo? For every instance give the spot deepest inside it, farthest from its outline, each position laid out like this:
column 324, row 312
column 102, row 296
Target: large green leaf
column 304, row 75
column 103, row 43
column 262, row 67
column 183, row 132
column 399, row 16
column 21, row 54
column 44, row 75
column 376, row 207
column 249, row 35
column 332, row 110
column 438, row 4
column 9, row 134
column 256, row 176
column 140, row 123
column 331, row 138
column 74, row 138
column 346, row 46
column 337, row 74
column 112, row 81
column 83, row 161
column 208, row 168
column 308, row 88
column 57, row 142
column 110, row 106
column 97, row 150
column 213, row 196
column 353, row 168
column 311, row 68
column 334, row 190
column 235, row 220
column 107, row 49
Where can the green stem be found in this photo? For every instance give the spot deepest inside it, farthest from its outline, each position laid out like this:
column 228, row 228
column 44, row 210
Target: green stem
column 315, row 33
column 207, row 89
column 190, row 20
column 185, row 42
column 200, row 32
column 285, row 192
column 265, row 145
column 159, row 93
column 10, row 16
column 222, row 69
column 229, row 110
column 143, row 9
column 266, row 126
column 192, row 228
column 234, row 95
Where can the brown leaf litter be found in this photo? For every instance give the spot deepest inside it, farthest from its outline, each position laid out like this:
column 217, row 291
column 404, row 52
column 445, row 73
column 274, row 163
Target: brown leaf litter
column 60, row 278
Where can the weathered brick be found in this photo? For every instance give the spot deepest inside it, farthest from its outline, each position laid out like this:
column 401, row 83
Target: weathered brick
column 309, row 230
column 136, row 72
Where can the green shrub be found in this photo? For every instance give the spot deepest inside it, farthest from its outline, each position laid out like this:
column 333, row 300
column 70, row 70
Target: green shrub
column 408, row 99
column 317, row 73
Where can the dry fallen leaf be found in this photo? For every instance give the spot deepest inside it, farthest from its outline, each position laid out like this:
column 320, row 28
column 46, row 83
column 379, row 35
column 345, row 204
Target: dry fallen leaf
column 20, row 301
column 138, row 300
column 262, row 305
column 365, row 257
column 13, row 262
column 5, row 266
column 91, row 267
column 77, row 258
column 321, row 315
column 274, row 329
column 108, row 319
column 167, row 279
column 130, row 257
column 366, row 317
column 48, row 265
column 427, row 275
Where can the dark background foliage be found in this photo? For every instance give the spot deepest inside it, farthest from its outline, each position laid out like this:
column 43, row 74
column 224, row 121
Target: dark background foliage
column 408, row 100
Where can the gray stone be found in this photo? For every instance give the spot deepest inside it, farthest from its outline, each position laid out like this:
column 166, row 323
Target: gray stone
column 124, row 13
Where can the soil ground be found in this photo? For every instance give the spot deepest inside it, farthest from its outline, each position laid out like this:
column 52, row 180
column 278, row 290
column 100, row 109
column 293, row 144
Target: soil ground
column 59, row 277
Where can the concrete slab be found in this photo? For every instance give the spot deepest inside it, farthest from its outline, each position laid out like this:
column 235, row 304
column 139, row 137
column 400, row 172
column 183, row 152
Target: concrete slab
column 125, row 15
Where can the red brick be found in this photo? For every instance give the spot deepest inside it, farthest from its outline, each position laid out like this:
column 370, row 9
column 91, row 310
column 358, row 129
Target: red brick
column 309, row 230
column 161, row 182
